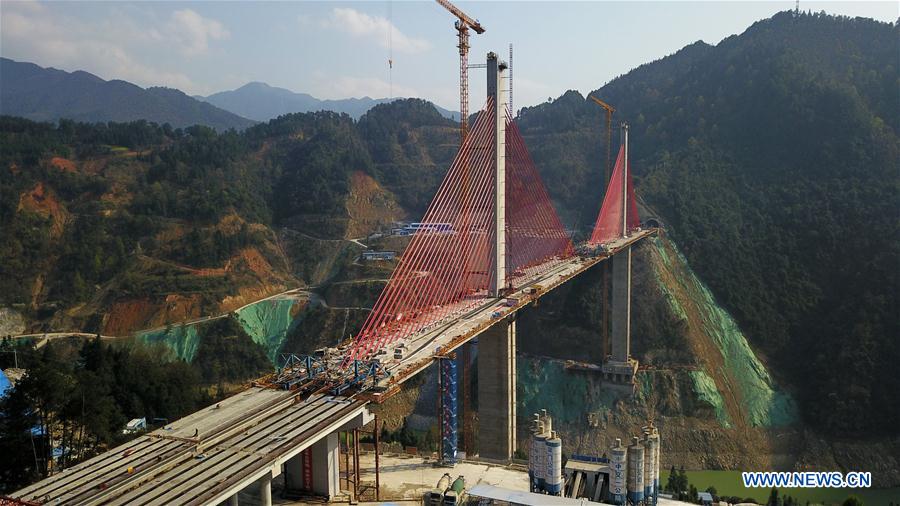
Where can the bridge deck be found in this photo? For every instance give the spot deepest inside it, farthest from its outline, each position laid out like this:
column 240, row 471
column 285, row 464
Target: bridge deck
column 468, row 322
column 237, row 441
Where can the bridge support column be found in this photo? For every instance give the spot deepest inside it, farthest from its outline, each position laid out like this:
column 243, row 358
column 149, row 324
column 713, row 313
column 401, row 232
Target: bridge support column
column 326, row 470
column 315, row 469
column 265, row 490
column 497, row 391
column 621, row 368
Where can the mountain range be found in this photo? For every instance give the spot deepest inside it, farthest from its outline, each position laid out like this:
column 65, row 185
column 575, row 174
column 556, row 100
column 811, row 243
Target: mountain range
column 48, row 94
column 261, row 102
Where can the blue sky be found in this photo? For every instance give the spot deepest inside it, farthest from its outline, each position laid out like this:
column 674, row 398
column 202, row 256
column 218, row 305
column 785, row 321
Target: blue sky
column 340, row 49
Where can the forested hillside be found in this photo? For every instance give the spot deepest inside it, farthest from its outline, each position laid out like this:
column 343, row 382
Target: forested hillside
column 772, row 160
column 116, row 227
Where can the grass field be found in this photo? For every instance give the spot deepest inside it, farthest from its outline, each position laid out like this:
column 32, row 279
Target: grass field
column 729, row 483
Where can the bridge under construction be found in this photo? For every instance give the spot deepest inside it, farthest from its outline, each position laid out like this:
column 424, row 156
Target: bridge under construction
column 490, row 244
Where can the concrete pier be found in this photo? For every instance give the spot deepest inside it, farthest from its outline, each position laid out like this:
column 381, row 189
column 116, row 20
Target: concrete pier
column 325, row 471
column 497, row 391
column 621, row 368
column 621, row 306
column 265, row 490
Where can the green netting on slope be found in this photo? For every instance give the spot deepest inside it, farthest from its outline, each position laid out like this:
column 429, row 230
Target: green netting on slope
column 268, row 322
column 568, row 396
column 670, row 297
column 765, row 406
column 644, row 386
column 183, row 340
column 706, row 391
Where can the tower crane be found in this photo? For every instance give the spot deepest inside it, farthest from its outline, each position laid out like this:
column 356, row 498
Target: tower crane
column 604, row 294
column 609, row 112
column 462, row 25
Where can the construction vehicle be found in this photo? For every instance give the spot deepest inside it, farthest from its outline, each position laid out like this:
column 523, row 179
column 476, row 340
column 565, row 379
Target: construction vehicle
column 436, row 496
column 462, row 25
column 534, row 289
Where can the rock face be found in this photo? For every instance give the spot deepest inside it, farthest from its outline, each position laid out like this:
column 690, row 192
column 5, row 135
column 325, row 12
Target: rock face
column 11, row 322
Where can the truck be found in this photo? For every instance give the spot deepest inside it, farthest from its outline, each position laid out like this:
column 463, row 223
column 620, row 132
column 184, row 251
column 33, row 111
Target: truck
column 457, row 493
column 436, row 496
column 511, row 301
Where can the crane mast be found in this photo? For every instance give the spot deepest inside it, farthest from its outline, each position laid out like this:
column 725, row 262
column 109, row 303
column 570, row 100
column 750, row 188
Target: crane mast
column 462, row 25
column 604, row 292
column 609, row 112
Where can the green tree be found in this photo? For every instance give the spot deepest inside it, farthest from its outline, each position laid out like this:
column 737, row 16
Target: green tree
column 774, row 500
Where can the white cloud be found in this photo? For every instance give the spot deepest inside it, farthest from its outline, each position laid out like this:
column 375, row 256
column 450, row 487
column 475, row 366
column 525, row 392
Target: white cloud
column 527, row 93
column 377, row 28
column 194, row 32
column 107, row 46
column 358, row 87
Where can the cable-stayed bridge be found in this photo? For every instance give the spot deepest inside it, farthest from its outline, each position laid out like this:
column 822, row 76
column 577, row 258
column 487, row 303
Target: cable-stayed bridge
column 490, row 244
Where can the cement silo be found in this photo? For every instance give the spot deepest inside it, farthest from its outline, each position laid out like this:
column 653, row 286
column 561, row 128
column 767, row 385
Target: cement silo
column 534, row 450
column 635, row 472
column 649, row 455
column 617, row 465
column 654, row 437
column 554, row 477
column 540, row 459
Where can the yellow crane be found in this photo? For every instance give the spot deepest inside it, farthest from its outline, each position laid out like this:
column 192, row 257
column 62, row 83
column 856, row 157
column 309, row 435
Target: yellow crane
column 609, row 112
column 604, row 294
column 462, row 25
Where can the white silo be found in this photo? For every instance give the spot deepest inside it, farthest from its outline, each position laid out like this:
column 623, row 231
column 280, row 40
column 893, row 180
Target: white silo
column 617, row 466
column 654, row 437
column 649, row 454
column 540, row 460
column 536, row 429
column 635, row 472
column 554, row 478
